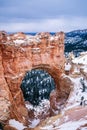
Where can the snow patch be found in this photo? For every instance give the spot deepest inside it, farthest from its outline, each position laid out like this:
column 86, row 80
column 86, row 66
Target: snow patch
column 72, row 125
column 41, row 110
column 16, row 124
column 34, row 123
column 67, row 67
column 49, row 127
column 19, row 41
column 81, row 60
column 43, row 107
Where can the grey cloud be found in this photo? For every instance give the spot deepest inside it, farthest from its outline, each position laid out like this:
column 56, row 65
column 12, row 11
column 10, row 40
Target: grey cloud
column 41, row 9
column 38, row 12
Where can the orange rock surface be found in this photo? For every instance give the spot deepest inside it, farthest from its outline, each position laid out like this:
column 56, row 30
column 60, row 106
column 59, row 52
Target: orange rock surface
column 20, row 53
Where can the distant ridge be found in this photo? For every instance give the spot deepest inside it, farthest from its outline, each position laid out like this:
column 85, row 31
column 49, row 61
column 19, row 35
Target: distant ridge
column 76, row 41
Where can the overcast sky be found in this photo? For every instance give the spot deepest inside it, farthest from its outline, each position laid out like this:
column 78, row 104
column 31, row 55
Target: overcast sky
column 43, row 15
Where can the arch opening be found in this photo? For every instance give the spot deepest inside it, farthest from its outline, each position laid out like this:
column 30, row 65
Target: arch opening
column 37, row 86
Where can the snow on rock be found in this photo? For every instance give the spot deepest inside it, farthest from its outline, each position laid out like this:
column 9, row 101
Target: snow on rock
column 78, row 95
column 72, row 125
column 81, row 59
column 34, row 123
column 19, row 41
column 40, row 112
column 31, row 38
column 85, row 69
column 16, row 124
column 49, row 127
column 71, row 120
column 67, row 66
column 51, row 38
column 43, row 107
column 83, row 53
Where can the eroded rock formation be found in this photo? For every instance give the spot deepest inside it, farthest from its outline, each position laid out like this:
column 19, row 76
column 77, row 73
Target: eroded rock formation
column 20, row 53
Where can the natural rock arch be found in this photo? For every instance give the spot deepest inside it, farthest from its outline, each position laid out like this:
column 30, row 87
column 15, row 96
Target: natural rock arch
column 20, row 53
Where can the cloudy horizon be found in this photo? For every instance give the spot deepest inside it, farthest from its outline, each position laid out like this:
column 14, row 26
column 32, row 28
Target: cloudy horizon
column 43, row 15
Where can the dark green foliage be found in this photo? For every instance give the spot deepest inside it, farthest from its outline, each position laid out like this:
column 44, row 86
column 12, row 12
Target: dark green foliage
column 36, row 86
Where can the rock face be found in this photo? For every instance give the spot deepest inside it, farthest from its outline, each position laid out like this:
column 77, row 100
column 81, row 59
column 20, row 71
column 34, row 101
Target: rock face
column 4, row 93
column 58, row 97
column 20, row 53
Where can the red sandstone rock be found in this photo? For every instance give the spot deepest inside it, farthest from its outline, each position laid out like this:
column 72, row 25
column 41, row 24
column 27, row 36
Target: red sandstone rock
column 19, row 35
column 57, row 101
column 18, row 57
column 8, row 127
